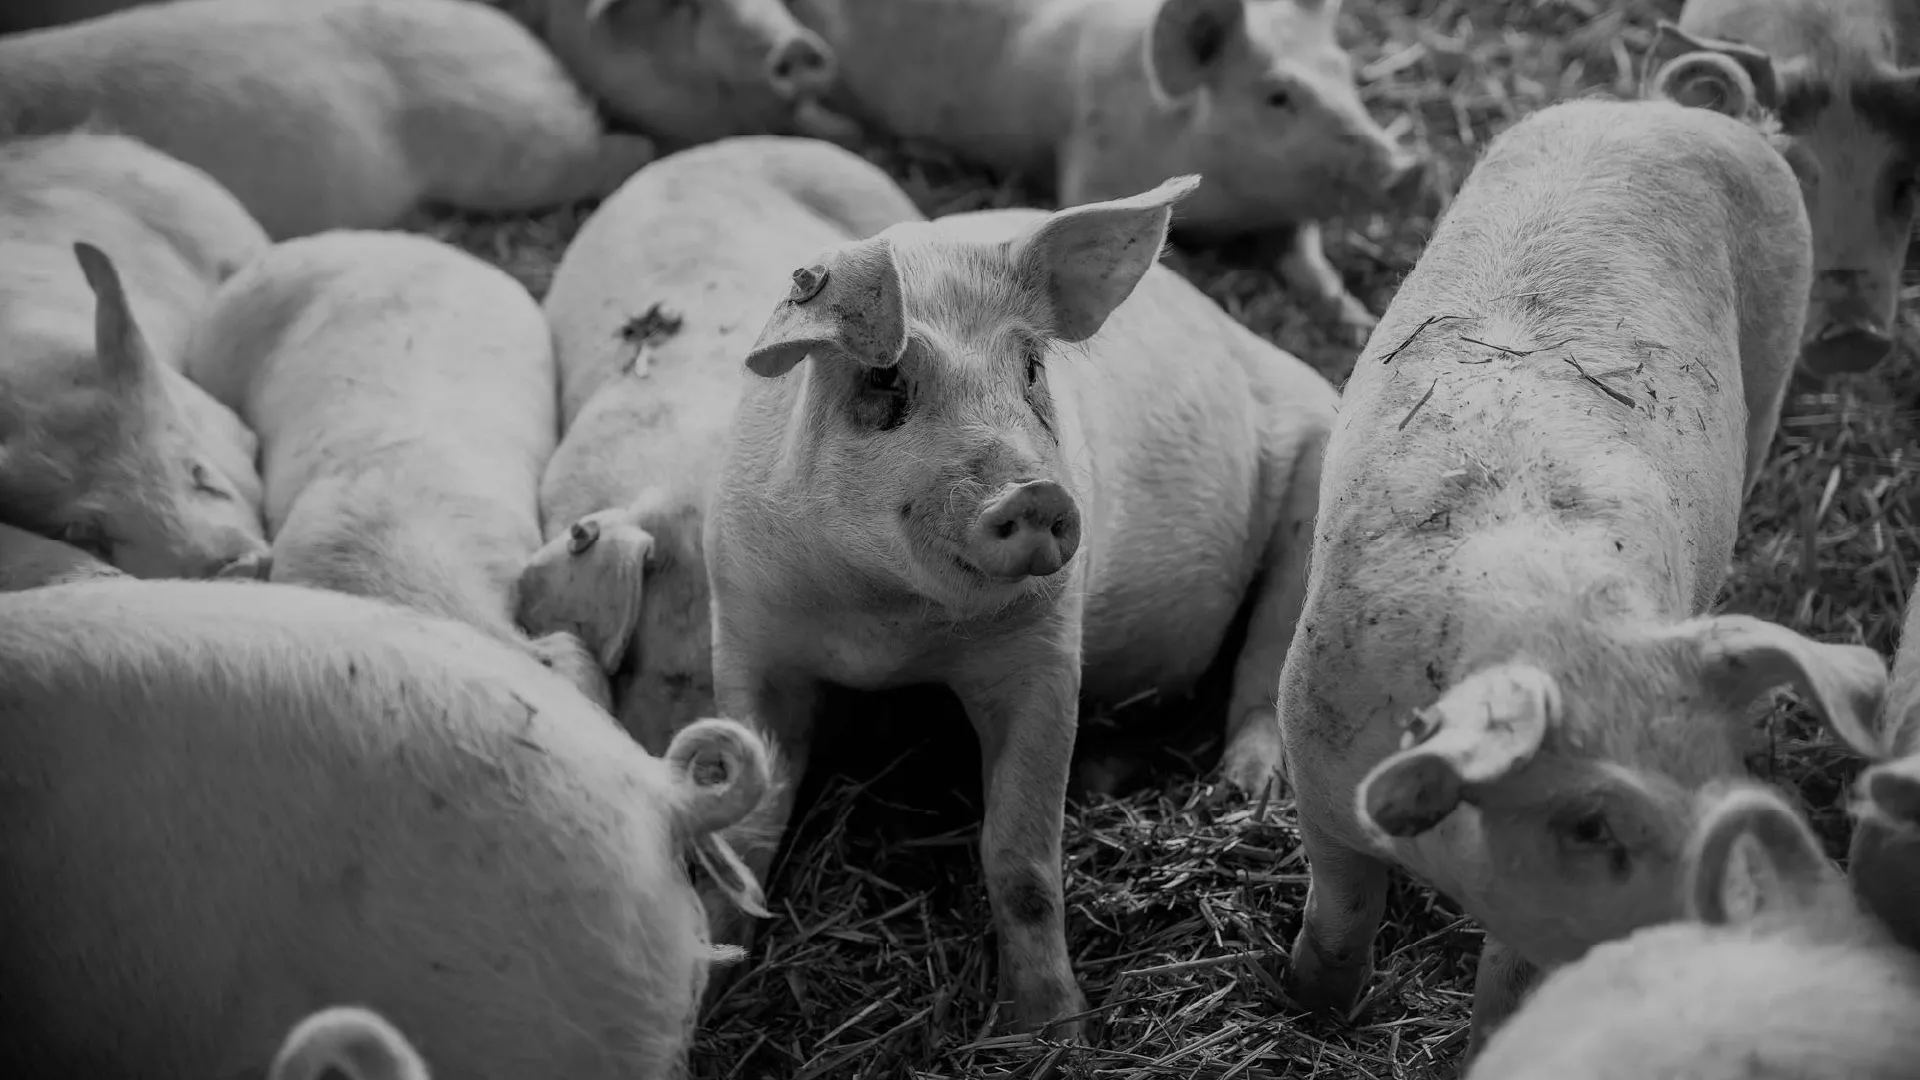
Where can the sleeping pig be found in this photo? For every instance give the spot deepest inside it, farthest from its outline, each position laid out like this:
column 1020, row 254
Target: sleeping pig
column 1505, row 679
column 1009, row 453
column 328, row 113
column 1843, row 78
column 1105, row 98
column 111, row 250
column 404, row 395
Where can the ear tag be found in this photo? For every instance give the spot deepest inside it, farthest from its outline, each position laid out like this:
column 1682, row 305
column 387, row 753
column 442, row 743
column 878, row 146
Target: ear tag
column 807, row 283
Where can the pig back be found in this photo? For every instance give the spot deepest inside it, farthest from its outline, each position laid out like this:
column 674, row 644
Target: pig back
column 234, row 802
column 657, row 300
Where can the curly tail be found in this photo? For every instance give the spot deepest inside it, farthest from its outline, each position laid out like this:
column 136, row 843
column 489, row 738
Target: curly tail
column 736, row 758
column 355, row 1042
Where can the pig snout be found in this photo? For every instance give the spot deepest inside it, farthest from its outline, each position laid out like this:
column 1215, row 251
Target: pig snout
column 1031, row 530
column 1845, row 334
column 800, row 66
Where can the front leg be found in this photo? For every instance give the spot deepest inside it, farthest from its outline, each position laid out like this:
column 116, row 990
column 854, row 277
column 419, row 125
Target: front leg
column 1022, row 704
column 1305, row 270
column 1500, row 984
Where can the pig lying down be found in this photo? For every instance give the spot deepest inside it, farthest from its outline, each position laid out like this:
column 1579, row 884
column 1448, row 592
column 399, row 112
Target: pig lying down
column 695, row 70
column 1884, row 859
column 404, row 395
column 111, row 249
column 328, row 113
column 1843, row 77
column 231, row 804
column 1504, row 680
column 1009, row 453
column 1773, row 973
column 1106, row 98
column 646, row 414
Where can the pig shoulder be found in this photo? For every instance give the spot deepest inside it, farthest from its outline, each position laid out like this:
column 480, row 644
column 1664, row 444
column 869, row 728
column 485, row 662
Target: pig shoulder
column 459, row 801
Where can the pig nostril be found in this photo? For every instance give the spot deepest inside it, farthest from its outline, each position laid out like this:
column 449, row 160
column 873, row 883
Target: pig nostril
column 1005, row 529
column 1059, row 526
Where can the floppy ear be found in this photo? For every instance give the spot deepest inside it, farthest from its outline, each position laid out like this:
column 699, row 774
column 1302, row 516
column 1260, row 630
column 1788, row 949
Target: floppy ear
column 1483, row 728
column 1671, row 43
column 1187, row 41
column 848, row 302
column 589, row 581
column 1085, row 261
column 118, row 343
column 1752, row 854
column 1745, row 657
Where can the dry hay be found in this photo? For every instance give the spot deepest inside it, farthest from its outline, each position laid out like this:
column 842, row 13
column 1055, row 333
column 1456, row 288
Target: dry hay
column 879, row 961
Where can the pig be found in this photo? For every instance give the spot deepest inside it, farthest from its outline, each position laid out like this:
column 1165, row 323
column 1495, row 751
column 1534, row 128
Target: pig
column 356, row 1043
column 1505, row 680
column 1028, row 463
column 403, row 392
column 1104, row 98
column 29, row 561
column 112, row 248
column 1773, row 972
column 233, row 803
column 697, row 70
column 1843, row 78
column 1883, row 859
column 704, row 240
column 329, row 113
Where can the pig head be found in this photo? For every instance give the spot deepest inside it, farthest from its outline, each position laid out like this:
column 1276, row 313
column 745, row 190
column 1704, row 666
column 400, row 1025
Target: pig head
column 693, row 70
column 1276, row 125
column 1579, row 767
column 124, row 458
column 1852, row 132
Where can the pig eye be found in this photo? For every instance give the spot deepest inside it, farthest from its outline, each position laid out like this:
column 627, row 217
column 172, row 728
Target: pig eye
column 883, row 403
column 1279, row 98
column 203, row 482
column 1033, row 354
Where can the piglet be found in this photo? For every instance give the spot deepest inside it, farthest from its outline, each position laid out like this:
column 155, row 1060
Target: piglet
column 1024, row 461
column 1884, row 859
column 112, row 248
column 1843, row 79
column 329, row 113
column 233, row 804
column 404, row 395
column 1505, row 680
column 1105, row 98
column 652, row 306
column 1772, row 972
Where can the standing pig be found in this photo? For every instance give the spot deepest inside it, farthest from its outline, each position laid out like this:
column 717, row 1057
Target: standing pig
column 231, row 804
column 329, row 113
column 404, row 395
column 703, row 240
column 1774, row 973
column 1109, row 97
column 693, row 71
column 1841, row 76
column 1503, row 680
column 112, row 248
column 1884, row 860
column 1026, row 462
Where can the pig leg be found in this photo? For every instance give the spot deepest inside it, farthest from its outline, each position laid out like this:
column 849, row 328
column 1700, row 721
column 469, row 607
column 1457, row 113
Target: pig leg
column 1346, row 898
column 1023, row 708
column 1254, row 756
column 1499, row 986
column 1306, row 271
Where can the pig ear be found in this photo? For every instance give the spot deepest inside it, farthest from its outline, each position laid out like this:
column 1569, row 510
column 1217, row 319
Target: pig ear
column 1482, row 729
column 1745, row 657
column 1187, row 42
column 1085, row 261
column 1693, row 80
column 589, row 581
column 1889, row 794
column 118, row 343
column 849, row 303
column 1752, row 854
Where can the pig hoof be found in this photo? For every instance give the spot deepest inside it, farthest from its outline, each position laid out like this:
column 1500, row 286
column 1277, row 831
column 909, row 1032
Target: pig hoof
column 1318, row 984
column 1254, row 763
column 1058, row 1022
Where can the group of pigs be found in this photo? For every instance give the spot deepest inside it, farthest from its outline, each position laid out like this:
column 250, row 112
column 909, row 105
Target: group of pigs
column 439, row 761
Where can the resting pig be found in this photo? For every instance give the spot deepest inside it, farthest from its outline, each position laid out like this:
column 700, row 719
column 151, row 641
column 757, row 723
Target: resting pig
column 652, row 306
column 1027, row 462
column 328, row 113
column 1504, row 679
column 231, row 804
column 1105, row 98
column 1843, row 78
column 112, row 248
column 404, row 395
